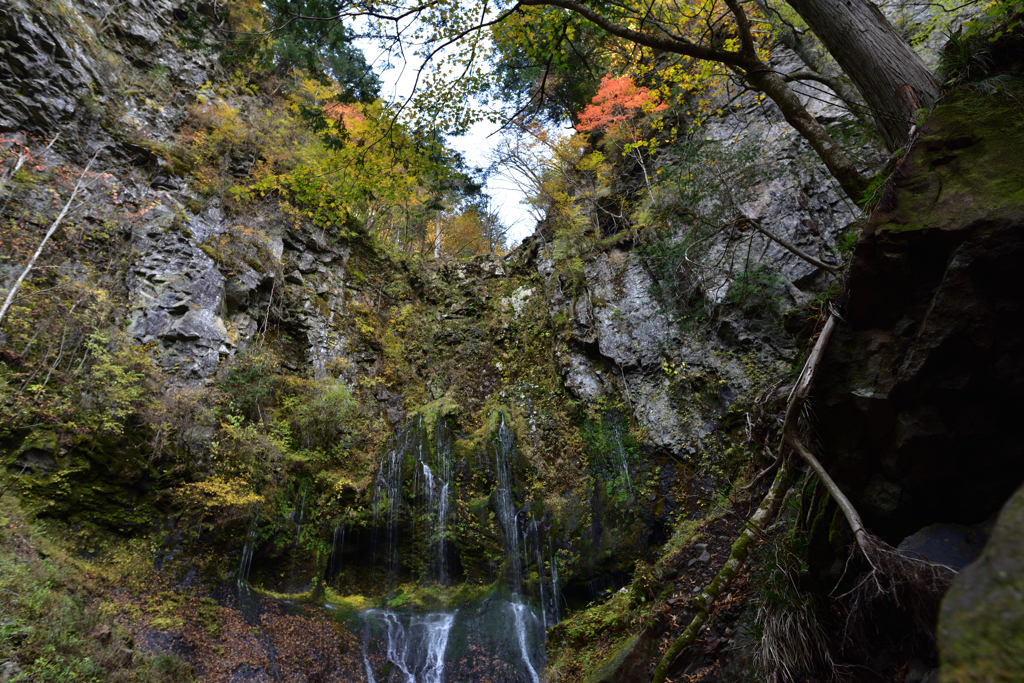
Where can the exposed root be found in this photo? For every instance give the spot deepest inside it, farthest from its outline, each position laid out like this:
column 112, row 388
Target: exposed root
column 793, row 640
column 914, row 583
column 892, row 574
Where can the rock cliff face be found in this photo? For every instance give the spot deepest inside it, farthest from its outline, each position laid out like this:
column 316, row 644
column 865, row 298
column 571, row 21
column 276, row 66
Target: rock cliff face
column 200, row 288
column 921, row 381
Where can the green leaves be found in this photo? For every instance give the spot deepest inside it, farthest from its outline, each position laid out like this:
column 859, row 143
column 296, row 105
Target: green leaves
column 998, row 19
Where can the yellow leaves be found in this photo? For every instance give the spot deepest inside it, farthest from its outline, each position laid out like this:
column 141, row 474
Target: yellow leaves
column 216, row 492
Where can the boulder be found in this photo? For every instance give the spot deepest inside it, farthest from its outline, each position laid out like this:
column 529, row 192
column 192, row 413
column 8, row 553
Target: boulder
column 922, row 382
column 952, row 545
column 628, row 663
column 981, row 626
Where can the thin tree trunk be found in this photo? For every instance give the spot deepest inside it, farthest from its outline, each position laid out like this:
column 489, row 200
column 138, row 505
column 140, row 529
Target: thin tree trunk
column 890, row 76
column 737, row 558
column 792, row 439
column 437, row 238
column 49, row 233
column 797, row 251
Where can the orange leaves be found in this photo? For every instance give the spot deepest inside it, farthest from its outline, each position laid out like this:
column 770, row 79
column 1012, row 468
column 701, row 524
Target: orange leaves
column 617, row 101
column 348, row 114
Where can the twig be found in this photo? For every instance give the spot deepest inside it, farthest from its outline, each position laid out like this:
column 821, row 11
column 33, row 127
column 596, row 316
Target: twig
column 11, row 482
column 22, row 158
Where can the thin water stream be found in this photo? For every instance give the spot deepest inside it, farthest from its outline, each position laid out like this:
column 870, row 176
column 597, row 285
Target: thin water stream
column 415, row 644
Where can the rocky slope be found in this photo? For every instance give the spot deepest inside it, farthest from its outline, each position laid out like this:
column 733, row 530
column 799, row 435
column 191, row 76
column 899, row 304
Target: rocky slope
column 513, row 436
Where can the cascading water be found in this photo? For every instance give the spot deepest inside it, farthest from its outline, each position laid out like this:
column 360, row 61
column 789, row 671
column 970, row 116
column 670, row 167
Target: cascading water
column 506, row 505
column 535, row 535
column 248, row 548
column 556, row 598
column 547, row 576
column 439, row 501
column 414, row 644
column 520, row 614
column 387, row 493
column 510, row 631
column 436, row 485
column 246, row 597
column 431, row 479
column 623, row 458
column 509, row 521
column 298, row 518
column 337, row 545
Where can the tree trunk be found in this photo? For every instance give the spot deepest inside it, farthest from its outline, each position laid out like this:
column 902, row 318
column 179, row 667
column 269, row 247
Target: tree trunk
column 839, row 164
column 437, row 238
column 890, row 76
column 814, row 59
column 46, row 238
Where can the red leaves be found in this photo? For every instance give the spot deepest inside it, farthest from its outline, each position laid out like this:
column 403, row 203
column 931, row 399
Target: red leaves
column 617, row 101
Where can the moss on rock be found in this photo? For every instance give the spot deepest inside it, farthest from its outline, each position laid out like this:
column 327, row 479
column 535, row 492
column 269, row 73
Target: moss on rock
column 981, row 627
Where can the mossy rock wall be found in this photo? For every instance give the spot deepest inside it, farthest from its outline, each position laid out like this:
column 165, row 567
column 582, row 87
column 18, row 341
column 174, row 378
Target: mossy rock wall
column 981, row 627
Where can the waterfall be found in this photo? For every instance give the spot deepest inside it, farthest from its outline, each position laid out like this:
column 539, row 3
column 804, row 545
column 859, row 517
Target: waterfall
column 415, row 647
column 555, row 597
column 334, row 561
column 248, row 548
column 301, row 511
column 436, row 487
column 431, row 479
column 297, row 518
column 519, row 612
column 535, row 535
column 504, row 502
column 437, row 642
column 415, row 644
column 387, row 493
column 247, row 600
column 438, row 499
column 623, row 458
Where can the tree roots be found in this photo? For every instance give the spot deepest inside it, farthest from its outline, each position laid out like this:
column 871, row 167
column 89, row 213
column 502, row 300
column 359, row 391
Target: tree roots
column 913, row 581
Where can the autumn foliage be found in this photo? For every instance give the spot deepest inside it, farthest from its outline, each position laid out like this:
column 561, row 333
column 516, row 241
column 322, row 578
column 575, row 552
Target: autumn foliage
column 617, row 101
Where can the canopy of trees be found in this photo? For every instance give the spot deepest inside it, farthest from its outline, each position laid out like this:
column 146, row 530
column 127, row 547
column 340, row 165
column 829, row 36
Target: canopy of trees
column 550, row 53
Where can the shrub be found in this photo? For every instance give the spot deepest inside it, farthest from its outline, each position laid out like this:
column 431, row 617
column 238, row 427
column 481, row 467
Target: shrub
column 756, row 289
column 322, row 418
column 52, row 630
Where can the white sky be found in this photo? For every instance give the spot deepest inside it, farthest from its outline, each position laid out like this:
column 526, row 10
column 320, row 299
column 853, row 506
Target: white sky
column 506, row 198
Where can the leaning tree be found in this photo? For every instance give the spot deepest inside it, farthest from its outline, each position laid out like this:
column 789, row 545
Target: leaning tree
column 891, row 77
